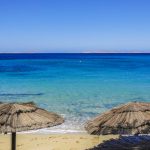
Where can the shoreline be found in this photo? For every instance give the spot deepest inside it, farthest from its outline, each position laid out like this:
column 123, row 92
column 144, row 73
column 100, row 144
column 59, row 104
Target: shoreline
column 54, row 131
column 53, row 141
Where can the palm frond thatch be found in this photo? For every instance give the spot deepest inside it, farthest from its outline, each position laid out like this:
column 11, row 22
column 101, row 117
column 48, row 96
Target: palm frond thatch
column 131, row 118
column 16, row 117
column 125, row 143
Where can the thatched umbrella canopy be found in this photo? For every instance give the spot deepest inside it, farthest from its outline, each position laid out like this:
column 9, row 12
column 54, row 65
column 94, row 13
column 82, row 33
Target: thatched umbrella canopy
column 131, row 118
column 16, row 117
column 125, row 143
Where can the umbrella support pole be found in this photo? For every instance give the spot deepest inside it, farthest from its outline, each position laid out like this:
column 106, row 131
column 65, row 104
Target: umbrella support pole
column 13, row 141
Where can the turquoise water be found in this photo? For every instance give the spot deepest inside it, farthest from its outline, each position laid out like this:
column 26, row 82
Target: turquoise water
column 77, row 86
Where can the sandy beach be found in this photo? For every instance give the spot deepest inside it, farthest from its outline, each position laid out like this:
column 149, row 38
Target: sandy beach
column 53, row 142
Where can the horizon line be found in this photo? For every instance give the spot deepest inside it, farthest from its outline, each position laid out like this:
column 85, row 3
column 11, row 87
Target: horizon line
column 74, row 52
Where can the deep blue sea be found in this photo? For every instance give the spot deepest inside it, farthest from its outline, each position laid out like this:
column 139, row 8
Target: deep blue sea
column 77, row 86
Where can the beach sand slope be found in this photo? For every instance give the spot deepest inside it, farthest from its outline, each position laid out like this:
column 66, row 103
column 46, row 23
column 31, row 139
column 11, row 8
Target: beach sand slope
column 53, row 142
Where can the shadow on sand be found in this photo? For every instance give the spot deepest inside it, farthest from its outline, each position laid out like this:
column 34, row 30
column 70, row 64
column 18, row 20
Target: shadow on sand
column 126, row 143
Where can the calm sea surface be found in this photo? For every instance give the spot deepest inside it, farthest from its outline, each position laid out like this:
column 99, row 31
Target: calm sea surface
column 77, row 86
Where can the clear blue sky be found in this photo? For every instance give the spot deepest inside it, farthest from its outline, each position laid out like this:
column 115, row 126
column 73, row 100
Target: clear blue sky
column 74, row 25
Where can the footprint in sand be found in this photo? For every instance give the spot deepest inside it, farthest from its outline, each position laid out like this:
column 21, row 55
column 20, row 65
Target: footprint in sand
column 82, row 138
column 64, row 138
column 19, row 145
column 77, row 142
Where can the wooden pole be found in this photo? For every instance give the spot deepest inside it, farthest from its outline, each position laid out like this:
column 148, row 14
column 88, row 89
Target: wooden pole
column 13, row 141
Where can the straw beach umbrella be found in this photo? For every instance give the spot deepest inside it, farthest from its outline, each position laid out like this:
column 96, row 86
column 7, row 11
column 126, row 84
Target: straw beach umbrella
column 16, row 117
column 131, row 118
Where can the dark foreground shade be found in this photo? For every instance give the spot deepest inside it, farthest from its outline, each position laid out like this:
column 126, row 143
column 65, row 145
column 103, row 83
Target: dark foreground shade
column 125, row 143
